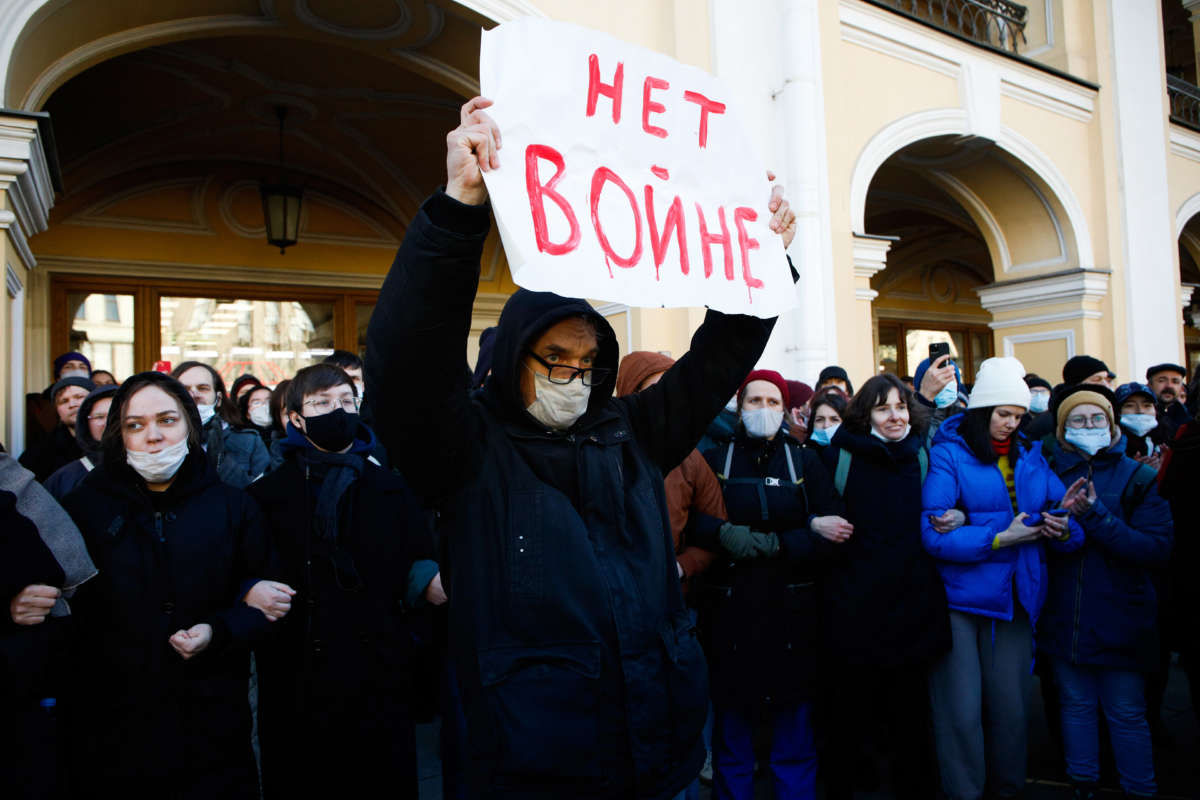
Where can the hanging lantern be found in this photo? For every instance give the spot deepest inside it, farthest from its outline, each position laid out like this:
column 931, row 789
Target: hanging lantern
column 281, row 202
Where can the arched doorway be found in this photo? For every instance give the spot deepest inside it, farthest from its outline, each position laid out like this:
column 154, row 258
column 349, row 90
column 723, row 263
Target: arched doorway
column 973, row 245
column 165, row 125
column 1189, row 277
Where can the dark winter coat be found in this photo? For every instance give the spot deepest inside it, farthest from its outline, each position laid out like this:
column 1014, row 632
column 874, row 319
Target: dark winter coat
column 58, row 449
column 579, row 667
column 1102, row 607
column 760, row 615
column 883, row 602
column 1180, row 479
column 238, row 455
column 144, row 717
column 334, row 679
column 978, row 578
column 67, row 477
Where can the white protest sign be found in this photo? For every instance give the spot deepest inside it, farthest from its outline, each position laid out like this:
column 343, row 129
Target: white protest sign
column 626, row 176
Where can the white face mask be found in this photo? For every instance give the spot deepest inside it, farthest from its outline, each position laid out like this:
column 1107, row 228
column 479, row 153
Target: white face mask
column 558, row 405
column 882, row 438
column 1139, row 424
column 762, row 423
column 74, row 373
column 948, row 396
column 823, row 436
column 207, row 411
column 1089, row 440
column 1039, row 402
column 158, row 467
column 261, row 416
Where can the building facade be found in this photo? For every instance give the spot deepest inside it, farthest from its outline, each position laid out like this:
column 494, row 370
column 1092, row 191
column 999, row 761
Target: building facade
column 1020, row 179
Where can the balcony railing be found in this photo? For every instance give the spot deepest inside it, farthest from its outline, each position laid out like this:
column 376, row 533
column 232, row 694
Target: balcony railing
column 998, row 23
column 1185, row 102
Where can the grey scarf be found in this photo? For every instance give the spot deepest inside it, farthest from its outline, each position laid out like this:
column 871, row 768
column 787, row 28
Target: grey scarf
column 54, row 525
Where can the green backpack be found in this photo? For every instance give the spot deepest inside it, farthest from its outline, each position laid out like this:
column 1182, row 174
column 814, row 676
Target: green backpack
column 843, row 468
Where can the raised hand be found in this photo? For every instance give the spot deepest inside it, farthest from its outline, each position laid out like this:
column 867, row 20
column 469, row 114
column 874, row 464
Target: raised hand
column 783, row 219
column 471, row 150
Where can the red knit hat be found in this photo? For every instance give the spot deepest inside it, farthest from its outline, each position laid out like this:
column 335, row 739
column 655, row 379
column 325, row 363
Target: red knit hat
column 799, row 393
column 769, row 375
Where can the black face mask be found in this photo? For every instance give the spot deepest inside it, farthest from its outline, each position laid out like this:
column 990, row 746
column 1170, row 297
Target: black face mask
column 333, row 431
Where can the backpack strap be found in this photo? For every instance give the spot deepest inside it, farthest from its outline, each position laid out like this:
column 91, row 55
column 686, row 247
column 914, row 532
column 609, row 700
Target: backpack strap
column 923, row 460
column 1136, row 488
column 843, row 472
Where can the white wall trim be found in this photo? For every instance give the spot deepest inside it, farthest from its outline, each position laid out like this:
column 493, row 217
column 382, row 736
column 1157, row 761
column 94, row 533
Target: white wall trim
column 609, row 309
column 210, row 272
column 16, row 362
column 1041, row 319
column 1010, row 342
column 132, row 39
column 1049, row 45
column 1186, row 290
column 1184, row 142
column 1073, row 287
column 980, row 214
column 893, row 35
column 890, row 139
column 1189, row 209
column 25, row 177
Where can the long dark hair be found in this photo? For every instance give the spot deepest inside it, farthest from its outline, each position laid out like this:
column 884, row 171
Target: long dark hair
column 226, row 410
column 112, row 442
column 976, row 430
column 875, row 391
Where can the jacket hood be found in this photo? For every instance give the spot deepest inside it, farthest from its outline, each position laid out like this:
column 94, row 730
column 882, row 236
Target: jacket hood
column 83, row 433
column 364, row 441
column 525, row 315
column 637, row 366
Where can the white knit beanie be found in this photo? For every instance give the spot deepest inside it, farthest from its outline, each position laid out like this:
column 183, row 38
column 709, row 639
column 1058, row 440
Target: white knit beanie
column 1000, row 382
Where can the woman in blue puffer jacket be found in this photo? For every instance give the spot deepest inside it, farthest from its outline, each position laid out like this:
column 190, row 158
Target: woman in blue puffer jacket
column 994, row 570
column 1100, row 622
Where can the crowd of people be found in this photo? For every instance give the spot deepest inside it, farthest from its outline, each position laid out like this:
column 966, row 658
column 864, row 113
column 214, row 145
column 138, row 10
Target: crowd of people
column 630, row 573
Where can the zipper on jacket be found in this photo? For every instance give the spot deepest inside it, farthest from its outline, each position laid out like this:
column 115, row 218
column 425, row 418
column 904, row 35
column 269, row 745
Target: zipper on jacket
column 158, row 526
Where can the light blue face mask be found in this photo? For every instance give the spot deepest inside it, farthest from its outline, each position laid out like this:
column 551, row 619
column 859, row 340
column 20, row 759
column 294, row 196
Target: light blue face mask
column 823, row 436
column 1038, row 402
column 1139, row 424
column 948, row 396
column 1089, row 440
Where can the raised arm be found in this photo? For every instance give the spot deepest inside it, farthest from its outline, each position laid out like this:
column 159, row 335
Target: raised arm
column 416, row 371
column 670, row 417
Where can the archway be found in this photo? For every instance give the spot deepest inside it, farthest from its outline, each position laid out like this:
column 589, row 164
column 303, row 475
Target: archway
column 165, row 120
column 990, row 235
column 939, row 255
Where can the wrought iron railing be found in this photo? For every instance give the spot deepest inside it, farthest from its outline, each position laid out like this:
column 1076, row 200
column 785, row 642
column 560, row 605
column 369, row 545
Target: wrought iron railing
column 998, row 23
column 1185, row 101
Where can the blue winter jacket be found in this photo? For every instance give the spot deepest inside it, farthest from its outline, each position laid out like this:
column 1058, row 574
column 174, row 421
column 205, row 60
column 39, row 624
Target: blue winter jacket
column 1102, row 608
column 979, row 580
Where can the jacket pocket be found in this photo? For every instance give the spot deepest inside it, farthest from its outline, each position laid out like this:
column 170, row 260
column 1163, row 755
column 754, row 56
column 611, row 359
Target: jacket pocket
column 687, row 681
column 544, row 702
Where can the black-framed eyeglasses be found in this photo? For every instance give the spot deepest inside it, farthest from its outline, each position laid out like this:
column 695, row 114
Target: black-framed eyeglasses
column 563, row 374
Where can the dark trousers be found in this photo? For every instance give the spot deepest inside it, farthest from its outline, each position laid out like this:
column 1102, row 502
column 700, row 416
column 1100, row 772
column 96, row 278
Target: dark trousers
column 895, row 702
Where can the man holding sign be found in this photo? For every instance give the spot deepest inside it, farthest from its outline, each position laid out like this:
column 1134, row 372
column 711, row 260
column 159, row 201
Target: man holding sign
column 579, row 667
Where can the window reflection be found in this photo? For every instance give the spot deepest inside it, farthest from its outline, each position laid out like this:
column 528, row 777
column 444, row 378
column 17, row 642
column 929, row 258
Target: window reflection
column 270, row 339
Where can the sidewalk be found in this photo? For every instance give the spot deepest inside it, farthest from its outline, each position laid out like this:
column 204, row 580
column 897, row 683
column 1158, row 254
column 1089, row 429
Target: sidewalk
column 1178, row 767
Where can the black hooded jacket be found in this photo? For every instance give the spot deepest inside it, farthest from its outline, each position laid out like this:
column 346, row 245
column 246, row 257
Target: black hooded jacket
column 67, row 477
column 143, row 716
column 580, row 670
